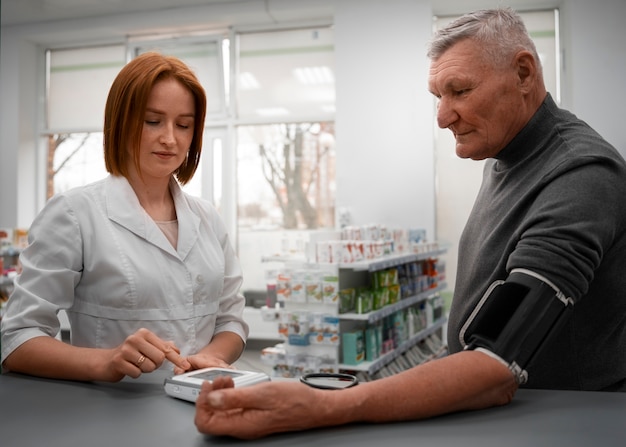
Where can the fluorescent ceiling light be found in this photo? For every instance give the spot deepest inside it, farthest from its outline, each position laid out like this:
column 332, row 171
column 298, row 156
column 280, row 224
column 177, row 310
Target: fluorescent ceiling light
column 247, row 81
column 314, row 75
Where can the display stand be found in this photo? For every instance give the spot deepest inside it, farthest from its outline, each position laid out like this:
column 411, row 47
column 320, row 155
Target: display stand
column 320, row 335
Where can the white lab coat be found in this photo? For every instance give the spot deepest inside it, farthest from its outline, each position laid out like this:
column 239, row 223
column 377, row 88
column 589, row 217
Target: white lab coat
column 95, row 252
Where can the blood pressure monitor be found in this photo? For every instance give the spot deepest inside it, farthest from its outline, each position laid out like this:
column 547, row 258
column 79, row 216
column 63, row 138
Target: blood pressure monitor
column 187, row 386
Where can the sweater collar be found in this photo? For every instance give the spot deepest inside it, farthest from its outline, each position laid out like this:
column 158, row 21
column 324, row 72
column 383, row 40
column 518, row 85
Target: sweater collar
column 530, row 139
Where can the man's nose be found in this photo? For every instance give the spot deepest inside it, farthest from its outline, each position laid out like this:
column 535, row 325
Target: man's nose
column 445, row 113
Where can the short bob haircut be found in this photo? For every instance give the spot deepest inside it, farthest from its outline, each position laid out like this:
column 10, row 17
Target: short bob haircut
column 126, row 106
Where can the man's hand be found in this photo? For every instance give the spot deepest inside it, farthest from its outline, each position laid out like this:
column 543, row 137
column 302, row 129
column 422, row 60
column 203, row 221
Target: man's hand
column 256, row 411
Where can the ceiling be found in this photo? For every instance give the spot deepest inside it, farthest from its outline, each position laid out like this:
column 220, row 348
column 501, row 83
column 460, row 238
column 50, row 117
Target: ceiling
column 22, row 12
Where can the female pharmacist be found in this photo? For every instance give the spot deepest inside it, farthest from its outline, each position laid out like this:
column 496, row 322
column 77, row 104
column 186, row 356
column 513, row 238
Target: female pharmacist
column 146, row 273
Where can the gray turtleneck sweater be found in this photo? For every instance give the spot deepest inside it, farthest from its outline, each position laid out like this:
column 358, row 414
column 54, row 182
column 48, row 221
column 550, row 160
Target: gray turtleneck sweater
column 554, row 201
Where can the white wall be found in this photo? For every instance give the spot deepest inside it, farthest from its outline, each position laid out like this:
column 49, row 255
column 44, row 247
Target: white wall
column 594, row 38
column 384, row 121
column 9, row 76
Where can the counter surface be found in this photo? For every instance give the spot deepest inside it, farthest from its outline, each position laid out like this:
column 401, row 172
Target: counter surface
column 41, row 412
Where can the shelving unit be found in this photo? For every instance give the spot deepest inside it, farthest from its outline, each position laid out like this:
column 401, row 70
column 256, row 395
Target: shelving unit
column 371, row 367
column 377, row 315
column 357, row 274
column 392, row 260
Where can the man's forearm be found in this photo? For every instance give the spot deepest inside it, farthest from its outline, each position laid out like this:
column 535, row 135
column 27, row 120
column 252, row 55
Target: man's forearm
column 465, row 381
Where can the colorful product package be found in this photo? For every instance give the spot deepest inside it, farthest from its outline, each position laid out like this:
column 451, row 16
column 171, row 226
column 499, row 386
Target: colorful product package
column 283, row 286
column 316, row 328
column 331, row 330
column 298, row 328
column 380, row 298
column 330, row 289
column 364, row 300
column 372, row 351
column 347, row 300
column 298, row 287
column 353, row 347
column 313, row 286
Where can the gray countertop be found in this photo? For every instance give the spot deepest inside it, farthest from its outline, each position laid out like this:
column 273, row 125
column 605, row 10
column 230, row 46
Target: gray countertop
column 50, row 413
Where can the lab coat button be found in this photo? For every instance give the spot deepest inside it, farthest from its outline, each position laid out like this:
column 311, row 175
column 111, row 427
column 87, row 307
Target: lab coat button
column 199, row 279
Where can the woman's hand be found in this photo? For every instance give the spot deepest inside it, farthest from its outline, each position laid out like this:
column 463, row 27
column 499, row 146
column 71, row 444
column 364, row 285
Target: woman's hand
column 142, row 352
column 199, row 361
column 224, row 349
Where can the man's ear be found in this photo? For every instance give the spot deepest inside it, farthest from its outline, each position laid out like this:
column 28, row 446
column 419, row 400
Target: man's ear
column 527, row 68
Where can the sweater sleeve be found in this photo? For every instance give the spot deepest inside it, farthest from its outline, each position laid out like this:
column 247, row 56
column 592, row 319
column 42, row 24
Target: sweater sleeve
column 571, row 225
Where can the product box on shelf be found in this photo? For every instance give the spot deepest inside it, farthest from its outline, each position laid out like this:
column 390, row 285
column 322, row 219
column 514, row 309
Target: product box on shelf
column 373, row 342
column 353, row 347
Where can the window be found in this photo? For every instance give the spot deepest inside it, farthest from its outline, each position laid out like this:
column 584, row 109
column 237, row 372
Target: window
column 286, row 75
column 78, row 81
column 268, row 160
column 285, row 107
column 204, row 56
column 75, row 159
column 287, row 176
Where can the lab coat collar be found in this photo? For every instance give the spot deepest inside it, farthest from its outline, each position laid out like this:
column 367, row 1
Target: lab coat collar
column 188, row 221
column 123, row 207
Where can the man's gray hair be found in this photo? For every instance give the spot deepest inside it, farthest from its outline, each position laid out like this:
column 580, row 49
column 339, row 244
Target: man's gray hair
column 500, row 32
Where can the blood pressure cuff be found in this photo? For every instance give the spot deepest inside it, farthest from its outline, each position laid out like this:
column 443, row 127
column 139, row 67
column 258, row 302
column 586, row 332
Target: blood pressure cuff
column 515, row 318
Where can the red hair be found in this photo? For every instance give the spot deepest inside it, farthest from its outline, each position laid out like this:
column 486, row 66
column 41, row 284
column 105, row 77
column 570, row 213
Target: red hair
column 126, row 106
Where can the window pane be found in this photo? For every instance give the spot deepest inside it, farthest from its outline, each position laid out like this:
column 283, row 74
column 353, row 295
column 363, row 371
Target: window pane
column 541, row 26
column 74, row 159
column 79, row 81
column 286, row 190
column 204, row 57
column 286, row 176
column 286, row 74
column 207, row 180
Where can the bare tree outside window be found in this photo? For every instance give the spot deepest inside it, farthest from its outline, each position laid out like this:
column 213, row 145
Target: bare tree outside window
column 74, row 159
column 297, row 164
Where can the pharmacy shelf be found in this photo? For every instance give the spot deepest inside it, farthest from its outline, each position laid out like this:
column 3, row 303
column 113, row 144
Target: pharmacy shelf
column 377, row 315
column 373, row 366
column 355, row 274
column 389, row 261
column 370, row 265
